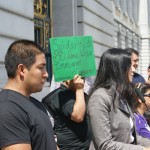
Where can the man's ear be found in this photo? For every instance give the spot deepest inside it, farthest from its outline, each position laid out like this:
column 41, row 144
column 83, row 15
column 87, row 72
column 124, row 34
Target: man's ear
column 21, row 69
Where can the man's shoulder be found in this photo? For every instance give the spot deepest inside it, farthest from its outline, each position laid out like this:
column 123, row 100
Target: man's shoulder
column 138, row 78
column 11, row 95
column 7, row 95
column 9, row 103
column 14, row 100
column 137, row 75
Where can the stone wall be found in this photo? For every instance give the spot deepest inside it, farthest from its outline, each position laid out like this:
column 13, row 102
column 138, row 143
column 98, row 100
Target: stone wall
column 85, row 17
column 15, row 23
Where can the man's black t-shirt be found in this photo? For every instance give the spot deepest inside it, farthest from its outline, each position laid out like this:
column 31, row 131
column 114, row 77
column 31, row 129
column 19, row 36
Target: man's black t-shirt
column 70, row 135
column 21, row 121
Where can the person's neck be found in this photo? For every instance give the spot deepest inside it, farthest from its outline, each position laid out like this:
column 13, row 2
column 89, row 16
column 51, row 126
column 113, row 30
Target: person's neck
column 64, row 83
column 68, row 86
column 140, row 111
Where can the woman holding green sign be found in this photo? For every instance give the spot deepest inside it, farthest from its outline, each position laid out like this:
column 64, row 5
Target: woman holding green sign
column 67, row 105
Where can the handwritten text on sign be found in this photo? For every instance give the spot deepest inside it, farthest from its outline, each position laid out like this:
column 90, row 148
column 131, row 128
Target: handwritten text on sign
column 72, row 55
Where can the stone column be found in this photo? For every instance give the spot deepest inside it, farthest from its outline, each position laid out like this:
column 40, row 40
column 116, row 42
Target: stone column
column 143, row 17
column 129, row 8
column 135, row 10
column 145, row 34
column 116, row 3
column 148, row 13
column 123, row 5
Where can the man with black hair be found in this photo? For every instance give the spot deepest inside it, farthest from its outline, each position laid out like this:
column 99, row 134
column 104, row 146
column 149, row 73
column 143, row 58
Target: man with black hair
column 24, row 124
column 135, row 61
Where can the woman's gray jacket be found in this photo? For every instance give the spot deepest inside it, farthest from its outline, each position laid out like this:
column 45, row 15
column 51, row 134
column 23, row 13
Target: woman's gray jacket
column 111, row 122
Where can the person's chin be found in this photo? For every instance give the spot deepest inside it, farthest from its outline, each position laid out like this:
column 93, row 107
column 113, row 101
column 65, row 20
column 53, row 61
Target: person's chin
column 39, row 89
column 42, row 83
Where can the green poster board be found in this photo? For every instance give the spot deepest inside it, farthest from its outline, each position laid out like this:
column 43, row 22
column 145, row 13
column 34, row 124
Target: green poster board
column 71, row 56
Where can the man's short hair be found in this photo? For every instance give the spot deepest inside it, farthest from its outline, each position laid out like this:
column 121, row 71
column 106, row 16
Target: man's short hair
column 132, row 51
column 21, row 52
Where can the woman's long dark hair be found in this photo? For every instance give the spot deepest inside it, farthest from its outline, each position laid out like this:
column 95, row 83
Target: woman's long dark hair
column 113, row 70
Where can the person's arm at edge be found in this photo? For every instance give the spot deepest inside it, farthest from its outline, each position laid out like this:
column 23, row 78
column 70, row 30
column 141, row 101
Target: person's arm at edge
column 58, row 148
column 18, row 147
column 79, row 107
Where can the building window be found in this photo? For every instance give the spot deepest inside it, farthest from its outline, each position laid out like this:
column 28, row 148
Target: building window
column 42, row 29
column 37, row 35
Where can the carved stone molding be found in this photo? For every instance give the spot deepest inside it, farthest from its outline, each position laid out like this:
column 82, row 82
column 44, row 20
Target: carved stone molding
column 42, row 22
column 40, row 8
column 118, row 11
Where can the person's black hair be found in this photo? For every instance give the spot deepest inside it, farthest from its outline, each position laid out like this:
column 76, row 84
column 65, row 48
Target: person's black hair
column 113, row 70
column 132, row 51
column 21, row 52
column 143, row 88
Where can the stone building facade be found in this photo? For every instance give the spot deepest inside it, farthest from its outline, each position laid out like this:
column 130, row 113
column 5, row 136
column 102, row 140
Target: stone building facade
column 15, row 23
column 111, row 23
column 131, row 18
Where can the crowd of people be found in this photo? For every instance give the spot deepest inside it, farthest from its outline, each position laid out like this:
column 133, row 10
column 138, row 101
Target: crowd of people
column 109, row 117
